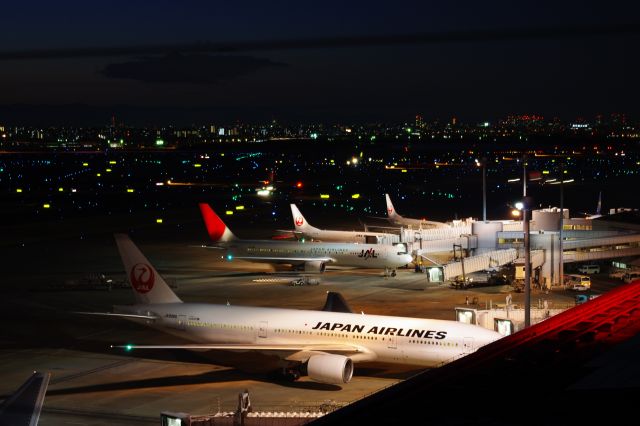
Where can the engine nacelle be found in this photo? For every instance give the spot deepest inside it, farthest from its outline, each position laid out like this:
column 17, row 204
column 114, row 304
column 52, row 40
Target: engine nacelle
column 331, row 369
column 314, row 266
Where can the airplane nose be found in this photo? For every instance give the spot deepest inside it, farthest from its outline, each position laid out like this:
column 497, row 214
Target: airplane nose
column 407, row 258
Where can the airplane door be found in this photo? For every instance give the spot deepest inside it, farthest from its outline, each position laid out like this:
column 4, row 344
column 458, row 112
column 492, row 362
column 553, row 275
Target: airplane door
column 467, row 344
column 393, row 342
column 262, row 329
column 182, row 322
column 178, row 322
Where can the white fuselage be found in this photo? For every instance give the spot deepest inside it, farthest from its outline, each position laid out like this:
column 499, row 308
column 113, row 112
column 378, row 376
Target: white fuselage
column 341, row 254
column 361, row 237
column 390, row 339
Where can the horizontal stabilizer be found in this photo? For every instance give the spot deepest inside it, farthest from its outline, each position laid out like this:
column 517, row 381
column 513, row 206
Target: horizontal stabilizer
column 336, row 303
column 110, row 314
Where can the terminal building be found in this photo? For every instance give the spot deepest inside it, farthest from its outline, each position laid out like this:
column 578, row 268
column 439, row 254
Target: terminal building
column 556, row 240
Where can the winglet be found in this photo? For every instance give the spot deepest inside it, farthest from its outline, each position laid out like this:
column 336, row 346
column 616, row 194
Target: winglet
column 24, row 405
column 336, row 303
column 216, row 228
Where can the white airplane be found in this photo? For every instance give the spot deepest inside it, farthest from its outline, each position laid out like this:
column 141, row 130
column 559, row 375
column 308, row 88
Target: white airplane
column 302, row 227
column 310, row 256
column 396, row 219
column 327, row 342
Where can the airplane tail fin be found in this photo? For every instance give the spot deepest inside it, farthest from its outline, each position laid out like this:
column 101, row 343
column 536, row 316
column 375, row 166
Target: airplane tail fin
column 147, row 284
column 299, row 221
column 391, row 212
column 336, row 303
column 599, row 208
column 216, row 228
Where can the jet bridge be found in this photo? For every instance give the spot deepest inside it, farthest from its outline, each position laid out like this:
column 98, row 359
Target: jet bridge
column 486, row 260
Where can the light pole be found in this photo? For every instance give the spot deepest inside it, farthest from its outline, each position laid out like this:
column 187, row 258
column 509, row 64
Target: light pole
column 525, row 206
column 561, row 261
column 483, row 163
column 484, row 189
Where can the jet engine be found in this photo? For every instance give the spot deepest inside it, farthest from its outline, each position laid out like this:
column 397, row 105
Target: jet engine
column 314, row 266
column 331, row 369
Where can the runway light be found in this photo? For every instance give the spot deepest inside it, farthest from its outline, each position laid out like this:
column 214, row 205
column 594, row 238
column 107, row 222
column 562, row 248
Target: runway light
column 229, row 212
column 197, row 165
column 18, row 189
column 46, row 206
column 98, row 174
column 324, row 196
column 355, row 196
column 85, row 164
column 239, row 207
column 108, row 170
column 158, row 220
column 112, row 162
column 130, row 189
column 60, row 189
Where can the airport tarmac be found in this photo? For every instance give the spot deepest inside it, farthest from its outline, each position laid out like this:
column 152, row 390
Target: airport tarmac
column 94, row 384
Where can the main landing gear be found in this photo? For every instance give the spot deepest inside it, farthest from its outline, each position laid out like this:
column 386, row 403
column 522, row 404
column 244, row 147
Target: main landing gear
column 389, row 272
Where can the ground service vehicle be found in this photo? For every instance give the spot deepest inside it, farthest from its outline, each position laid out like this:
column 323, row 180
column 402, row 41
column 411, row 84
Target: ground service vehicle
column 577, row 282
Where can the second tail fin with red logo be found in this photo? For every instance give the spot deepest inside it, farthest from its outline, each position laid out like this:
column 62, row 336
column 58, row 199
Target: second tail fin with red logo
column 218, row 231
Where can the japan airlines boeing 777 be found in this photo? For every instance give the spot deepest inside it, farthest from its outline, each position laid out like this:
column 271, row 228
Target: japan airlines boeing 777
column 396, row 219
column 326, row 342
column 303, row 228
column 310, row 256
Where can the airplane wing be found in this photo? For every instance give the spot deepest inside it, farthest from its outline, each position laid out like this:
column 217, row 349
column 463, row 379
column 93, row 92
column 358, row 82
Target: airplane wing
column 24, row 405
column 296, row 352
column 110, row 314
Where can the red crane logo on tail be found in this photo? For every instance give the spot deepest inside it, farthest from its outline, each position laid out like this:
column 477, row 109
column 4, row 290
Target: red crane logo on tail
column 142, row 277
column 299, row 221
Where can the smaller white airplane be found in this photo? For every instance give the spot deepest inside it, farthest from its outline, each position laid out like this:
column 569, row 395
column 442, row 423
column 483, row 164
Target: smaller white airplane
column 396, row 219
column 303, row 228
column 326, row 342
column 307, row 256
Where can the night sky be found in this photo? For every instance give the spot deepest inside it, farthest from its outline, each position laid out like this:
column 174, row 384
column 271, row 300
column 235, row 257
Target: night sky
column 473, row 80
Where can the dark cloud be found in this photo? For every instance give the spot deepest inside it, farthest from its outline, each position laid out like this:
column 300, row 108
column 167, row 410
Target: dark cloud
column 195, row 69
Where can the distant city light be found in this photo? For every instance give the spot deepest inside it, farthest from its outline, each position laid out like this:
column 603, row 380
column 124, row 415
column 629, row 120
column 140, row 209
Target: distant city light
column 519, row 205
column 313, row 136
column 299, row 184
column 264, row 192
column 159, row 142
